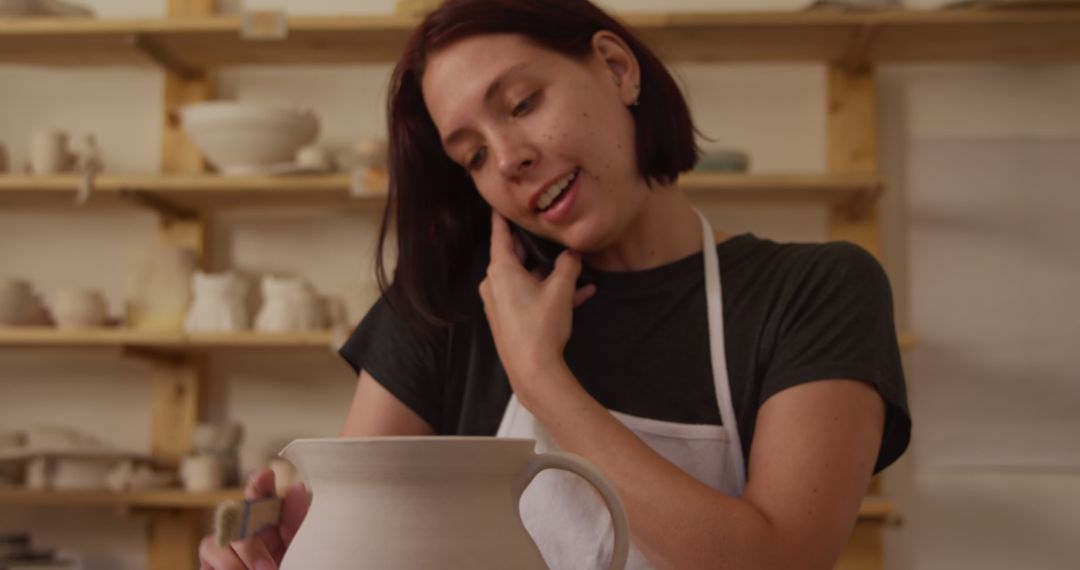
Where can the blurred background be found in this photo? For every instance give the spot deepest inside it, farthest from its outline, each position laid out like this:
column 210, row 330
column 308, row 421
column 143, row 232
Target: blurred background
column 980, row 170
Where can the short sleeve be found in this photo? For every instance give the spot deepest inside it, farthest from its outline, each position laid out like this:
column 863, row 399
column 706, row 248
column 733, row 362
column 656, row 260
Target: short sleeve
column 836, row 321
column 405, row 359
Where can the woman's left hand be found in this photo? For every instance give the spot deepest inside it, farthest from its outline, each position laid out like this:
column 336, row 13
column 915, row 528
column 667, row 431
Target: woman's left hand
column 530, row 315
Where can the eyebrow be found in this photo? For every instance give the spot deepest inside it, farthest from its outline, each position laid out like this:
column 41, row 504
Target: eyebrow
column 488, row 94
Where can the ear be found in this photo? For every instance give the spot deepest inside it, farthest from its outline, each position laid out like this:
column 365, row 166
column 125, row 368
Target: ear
column 618, row 61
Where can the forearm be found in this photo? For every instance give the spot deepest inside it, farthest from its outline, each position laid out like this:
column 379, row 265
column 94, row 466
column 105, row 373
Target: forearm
column 677, row 521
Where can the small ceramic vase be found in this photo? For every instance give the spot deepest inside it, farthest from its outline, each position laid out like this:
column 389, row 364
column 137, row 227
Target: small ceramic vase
column 16, row 300
column 201, row 473
column 79, row 309
column 159, row 288
column 49, row 152
column 220, row 304
column 288, row 305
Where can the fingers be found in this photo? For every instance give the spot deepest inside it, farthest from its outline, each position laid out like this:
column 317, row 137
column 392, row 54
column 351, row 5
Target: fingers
column 259, row 485
column 253, row 553
column 293, row 510
column 567, row 269
column 214, row 557
column 584, row 294
column 267, row 544
column 501, row 240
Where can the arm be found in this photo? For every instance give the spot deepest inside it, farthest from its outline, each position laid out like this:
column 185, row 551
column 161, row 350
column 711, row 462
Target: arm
column 375, row 411
column 813, row 456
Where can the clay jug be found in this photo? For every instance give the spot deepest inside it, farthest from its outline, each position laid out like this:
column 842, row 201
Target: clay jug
column 417, row 503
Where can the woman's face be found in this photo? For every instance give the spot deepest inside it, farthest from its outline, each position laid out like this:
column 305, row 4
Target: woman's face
column 548, row 140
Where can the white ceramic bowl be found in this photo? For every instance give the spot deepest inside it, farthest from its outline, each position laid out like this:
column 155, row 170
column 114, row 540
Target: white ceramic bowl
column 247, row 138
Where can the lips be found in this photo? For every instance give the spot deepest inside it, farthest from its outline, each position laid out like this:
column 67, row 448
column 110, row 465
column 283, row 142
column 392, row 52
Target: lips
column 548, row 196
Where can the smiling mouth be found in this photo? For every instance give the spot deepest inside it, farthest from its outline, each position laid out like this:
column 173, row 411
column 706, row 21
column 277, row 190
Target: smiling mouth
column 557, row 191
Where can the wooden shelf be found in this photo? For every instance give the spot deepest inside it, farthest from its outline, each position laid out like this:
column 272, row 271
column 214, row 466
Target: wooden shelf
column 189, row 44
column 156, row 499
column 189, row 193
column 46, row 337
column 186, row 193
column 873, row 508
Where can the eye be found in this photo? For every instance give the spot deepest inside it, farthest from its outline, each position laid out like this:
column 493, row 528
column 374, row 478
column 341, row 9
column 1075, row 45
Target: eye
column 524, row 105
column 477, row 159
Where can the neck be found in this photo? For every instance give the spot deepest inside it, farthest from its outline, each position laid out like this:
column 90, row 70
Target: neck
column 665, row 229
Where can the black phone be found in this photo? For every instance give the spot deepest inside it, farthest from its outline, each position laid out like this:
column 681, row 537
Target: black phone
column 541, row 253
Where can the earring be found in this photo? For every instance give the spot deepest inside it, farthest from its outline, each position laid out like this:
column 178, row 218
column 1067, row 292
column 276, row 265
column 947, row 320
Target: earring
column 617, row 81
column 637, row 96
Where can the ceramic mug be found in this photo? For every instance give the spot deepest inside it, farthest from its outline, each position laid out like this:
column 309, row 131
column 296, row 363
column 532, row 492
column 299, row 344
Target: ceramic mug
column 79, row 308
column 49, row 152
column 202, row 473
column 16, row 301
column 314, row 157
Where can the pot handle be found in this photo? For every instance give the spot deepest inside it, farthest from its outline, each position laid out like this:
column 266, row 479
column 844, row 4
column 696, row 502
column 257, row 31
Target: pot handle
column 569, row 462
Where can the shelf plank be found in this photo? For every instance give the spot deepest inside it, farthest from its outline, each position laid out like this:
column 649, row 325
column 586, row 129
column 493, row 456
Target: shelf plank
column 186, row 192
column 193, row 43
column 47, row 337
column 154, row 499
column 209, row 192
column 873, row 507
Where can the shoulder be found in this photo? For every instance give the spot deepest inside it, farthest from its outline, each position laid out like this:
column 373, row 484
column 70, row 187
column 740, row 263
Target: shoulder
column 797, row 263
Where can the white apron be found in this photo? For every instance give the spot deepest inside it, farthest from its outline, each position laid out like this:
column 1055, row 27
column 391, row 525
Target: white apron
column 563, row 513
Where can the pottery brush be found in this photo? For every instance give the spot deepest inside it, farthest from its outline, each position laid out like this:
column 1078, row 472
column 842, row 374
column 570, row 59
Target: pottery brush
column 237, row 520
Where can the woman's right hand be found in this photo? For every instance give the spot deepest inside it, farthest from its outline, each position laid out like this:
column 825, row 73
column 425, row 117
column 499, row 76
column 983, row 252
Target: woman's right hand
column 265, row 550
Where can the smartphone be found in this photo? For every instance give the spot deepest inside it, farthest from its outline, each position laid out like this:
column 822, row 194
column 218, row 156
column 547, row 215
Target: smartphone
column 542, row 252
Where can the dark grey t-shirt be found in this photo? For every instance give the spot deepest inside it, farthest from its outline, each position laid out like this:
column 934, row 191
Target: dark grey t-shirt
column 793, row 313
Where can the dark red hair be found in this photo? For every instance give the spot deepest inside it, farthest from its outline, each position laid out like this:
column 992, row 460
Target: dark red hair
column 440, row 218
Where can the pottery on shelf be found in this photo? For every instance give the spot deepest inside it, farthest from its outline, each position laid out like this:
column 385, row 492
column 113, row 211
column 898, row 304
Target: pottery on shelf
column 159, row 288
column 63, row 458
column 39, row 8
column 427, row 502
column 16, row 299
column 202, row 473
column 289, row 305
column 79, row 309
column 219, row 305
column 241, row 138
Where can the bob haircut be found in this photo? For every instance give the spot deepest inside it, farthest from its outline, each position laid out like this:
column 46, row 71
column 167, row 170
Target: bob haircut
column 439, row 216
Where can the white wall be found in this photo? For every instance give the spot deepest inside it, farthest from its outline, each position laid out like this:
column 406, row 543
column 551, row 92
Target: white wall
column 952, row 518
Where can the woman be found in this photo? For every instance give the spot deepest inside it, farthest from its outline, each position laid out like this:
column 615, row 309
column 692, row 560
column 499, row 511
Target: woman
column 738, row 392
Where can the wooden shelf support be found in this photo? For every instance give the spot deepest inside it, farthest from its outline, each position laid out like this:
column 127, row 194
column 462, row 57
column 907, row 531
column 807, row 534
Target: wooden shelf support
column 153, row 50
column 172, row 539
column 852, row 142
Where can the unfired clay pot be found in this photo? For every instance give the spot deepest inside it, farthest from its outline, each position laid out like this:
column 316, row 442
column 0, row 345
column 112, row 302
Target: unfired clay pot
column 417, row 503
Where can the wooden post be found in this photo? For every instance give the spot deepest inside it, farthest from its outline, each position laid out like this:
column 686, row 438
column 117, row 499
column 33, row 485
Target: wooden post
column 863, row 551
column 178, row 383
column 853, row 149
column 177, row 394
column 171, row 536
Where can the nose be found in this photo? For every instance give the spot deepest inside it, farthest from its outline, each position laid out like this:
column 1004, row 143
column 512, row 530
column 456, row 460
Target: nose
column 515, row 156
